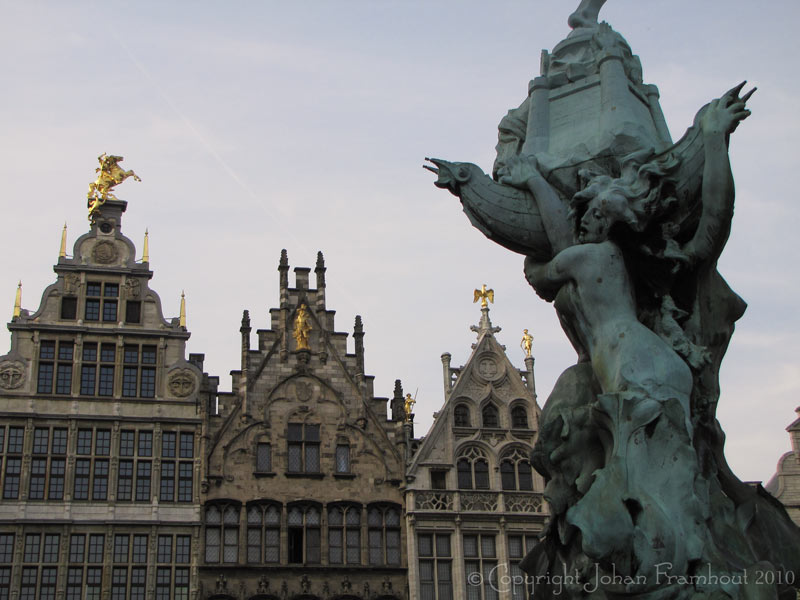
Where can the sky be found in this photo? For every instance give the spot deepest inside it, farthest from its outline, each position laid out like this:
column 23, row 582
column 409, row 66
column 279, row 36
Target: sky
column 257, row 126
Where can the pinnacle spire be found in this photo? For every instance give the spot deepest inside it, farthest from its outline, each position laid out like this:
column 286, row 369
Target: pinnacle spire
column 146, row 247
column 485, row 324
column 182, row 321
column 18, row 301
column 62, row 253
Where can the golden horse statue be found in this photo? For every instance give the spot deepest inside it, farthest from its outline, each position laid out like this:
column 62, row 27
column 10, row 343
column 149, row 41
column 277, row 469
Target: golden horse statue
column 110, row 174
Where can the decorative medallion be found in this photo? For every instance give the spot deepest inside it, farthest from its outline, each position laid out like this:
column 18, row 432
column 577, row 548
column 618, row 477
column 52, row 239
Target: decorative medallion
column 182, row 383
column 303, row 390
column 12, row 375
column 133, row 287
column 487, row 368
column 104, row 252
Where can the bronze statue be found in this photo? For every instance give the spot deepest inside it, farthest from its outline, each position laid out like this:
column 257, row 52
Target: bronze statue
column 622, row 229
column 110, row 174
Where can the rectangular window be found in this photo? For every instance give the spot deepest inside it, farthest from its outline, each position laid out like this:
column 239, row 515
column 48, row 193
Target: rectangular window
column 64, row 379
column 133, row 311
column 119, row 583
column 92, row 310
column 16, row 440
column 45, row 381
column 183, row 546
column 31, row 554
column 102, row 442
column 88, row 376
column 59, row 441
column 163, row 581
column 77, row 543
column 303, row 448
column 96, row 542
column 342, row 458
column 164, row 554
column 47, row 587
column 27, row 590
column 121, row 542
column 125, row 480
column 41, row 440
column 187, row 445
column 74, row 583
column 37, row 479
column 435, row 566
column 11, row 484
column 69, row 308
column 57, row 469
column 6, row 547
column 145, row 443
column 82, row 471
column 130, row 376
column 167, row 482
column 168, row 443
column 84, row 445
column 106, row 384
column 138, row 580
column 181, row 584
column 148, row 383
column 263, row 458
column 139, row 549
column 50, row 550
column 94, row 582
column 185, row 482
column 100, row 482
column 143, row 481
column 126, row 442
column 480, row 564
column 109, row 311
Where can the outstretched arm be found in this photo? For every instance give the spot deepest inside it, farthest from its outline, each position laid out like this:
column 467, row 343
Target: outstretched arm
column 717, row 123
column 523, row 172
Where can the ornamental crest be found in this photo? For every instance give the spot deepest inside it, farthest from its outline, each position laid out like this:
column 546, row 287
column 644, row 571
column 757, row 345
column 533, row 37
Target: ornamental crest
column 182, row 383
column 12, row 375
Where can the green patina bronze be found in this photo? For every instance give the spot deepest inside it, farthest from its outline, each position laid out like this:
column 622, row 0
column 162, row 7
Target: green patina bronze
column 621, row 229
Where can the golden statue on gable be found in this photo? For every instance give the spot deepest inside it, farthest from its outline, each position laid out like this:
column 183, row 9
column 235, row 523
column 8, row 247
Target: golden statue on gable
column 483, row 295
column 110, row 174
column 302, row 327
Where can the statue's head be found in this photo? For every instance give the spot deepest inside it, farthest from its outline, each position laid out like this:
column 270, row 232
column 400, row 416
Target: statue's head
column 601, row 205
column 629, row 202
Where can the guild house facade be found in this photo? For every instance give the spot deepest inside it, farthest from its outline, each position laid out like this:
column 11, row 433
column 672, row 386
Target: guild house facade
column 125, row 474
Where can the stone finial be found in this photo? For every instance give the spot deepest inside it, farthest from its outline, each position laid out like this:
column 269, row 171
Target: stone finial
column 245, row 321
column 586, row 14
column 320, row 270
column 359, row 325
column 397, row 402
column 284, row 259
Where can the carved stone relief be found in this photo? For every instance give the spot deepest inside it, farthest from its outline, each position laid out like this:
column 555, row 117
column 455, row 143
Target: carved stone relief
column 104, row 252
column 12, row 375
column 182, row 383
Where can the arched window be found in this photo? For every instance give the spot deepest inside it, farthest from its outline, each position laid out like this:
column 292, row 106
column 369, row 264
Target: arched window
column 473, row 469
column 263, row 533
column 383, row 522
column 519, row 418
column 344, row 535
column 515, row 471
column 304, row 536
column 461, row 416
column 222, row 532
column 490, row 416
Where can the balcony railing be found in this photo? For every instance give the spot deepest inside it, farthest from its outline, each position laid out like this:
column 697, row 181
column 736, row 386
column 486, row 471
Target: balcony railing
column 476, row 501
